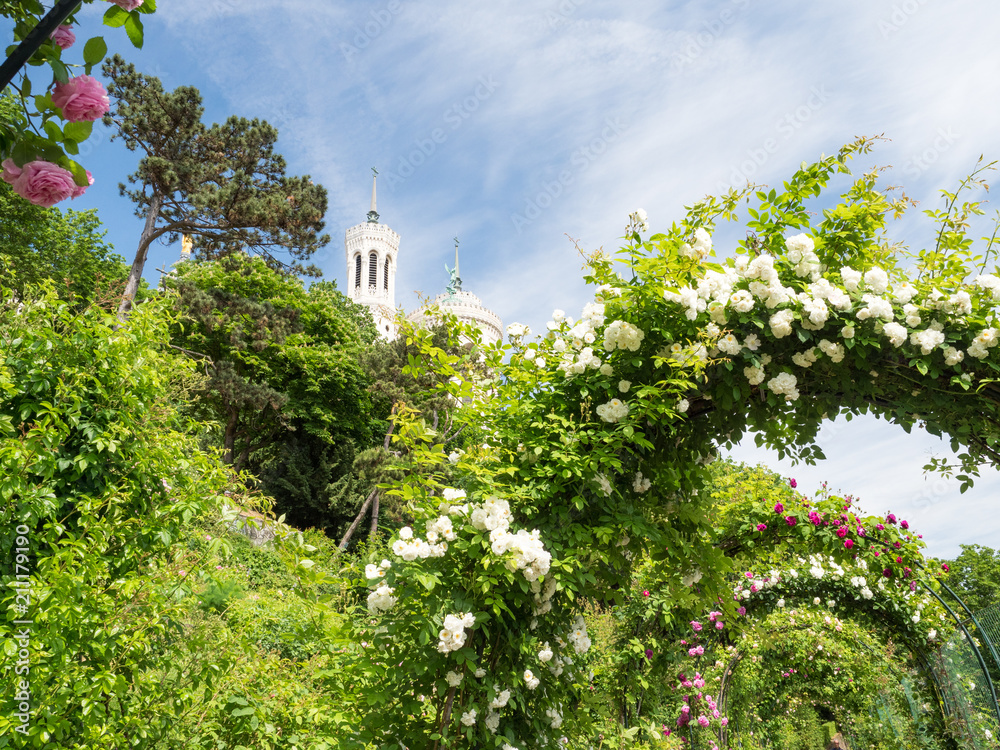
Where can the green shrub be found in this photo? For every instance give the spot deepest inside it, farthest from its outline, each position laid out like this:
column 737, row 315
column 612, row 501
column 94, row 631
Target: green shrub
column 284, row 624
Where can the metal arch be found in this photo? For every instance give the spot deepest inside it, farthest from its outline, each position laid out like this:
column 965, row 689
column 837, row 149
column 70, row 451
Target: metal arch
column 945, row 709
column 971, row 642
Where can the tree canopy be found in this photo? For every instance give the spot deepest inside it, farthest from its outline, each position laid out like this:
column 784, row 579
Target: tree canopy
column 223, row 185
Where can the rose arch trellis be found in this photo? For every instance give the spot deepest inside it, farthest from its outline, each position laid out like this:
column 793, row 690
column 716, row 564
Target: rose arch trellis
column 895, row 603
column 596, row 436
column 915, row 621
column 787, row 551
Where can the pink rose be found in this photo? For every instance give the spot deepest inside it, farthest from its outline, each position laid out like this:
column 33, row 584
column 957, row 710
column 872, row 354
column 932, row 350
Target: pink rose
column 10, row 171
column 81, row 99
column 44, row 183
column 63, row 36
column 128, row 5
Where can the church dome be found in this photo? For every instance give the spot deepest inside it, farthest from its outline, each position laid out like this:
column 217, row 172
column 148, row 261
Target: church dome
column 468, row 308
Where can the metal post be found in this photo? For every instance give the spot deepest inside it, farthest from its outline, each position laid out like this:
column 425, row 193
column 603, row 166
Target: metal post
column 972, row 645
column 36, row 37
column 979, row 628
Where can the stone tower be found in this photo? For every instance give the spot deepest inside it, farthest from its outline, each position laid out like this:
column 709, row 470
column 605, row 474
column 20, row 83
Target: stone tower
column 371, row 250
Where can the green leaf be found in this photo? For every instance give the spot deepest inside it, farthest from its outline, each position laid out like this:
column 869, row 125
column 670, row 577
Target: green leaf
column 427, row 581
column 78, row 131
column 59, row 71
column 79, row 173
column 133, row 27
column 94, row 50
column 52, row 130
column 22, row 153
column 115, row 17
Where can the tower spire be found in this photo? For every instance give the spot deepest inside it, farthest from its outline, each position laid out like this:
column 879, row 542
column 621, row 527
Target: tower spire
column 373, row 213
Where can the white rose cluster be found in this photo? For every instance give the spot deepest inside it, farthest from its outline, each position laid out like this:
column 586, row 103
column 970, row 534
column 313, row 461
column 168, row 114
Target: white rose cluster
column 439, row 528
column 527, row 552
column 869, row 293
column 381, row 599
column 555, row 717
column 640, row 483
column 800, row 252
column 784, row 384
column 500, row 699
column 578, row 636
column 834, row 351
column 575, row 342
column 452, row 636
column 928, row 340
column 374, row 572
column 701, row 248
column 410, row 547
column 985, row 341
column 990, row 283
column 639, row 220
column 622, row 335
column 517, row 331
column 895, row 333
column 613, row 411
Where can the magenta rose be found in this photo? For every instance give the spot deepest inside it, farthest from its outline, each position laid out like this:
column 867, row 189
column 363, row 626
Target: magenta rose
column 44, row 183
column 128, row 5
column 81, row 99
column 63, row 36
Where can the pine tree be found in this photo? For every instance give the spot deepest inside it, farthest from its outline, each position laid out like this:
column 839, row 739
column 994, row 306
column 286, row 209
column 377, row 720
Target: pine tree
column 224, row 186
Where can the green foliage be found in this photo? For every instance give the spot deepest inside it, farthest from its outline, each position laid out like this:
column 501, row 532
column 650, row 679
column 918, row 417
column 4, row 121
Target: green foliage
column 975, row 576
column 280, row 359
column 98, row 481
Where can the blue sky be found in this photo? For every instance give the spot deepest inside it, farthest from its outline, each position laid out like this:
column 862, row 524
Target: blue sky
column 519, row 124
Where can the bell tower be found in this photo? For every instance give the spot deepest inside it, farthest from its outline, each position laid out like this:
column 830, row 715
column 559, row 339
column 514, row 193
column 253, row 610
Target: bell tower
column 371, row 249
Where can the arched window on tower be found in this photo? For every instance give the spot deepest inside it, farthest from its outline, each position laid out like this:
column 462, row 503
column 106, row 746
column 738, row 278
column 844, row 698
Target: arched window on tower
column 373, row 270
column 357, row 271
column 385, row 275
